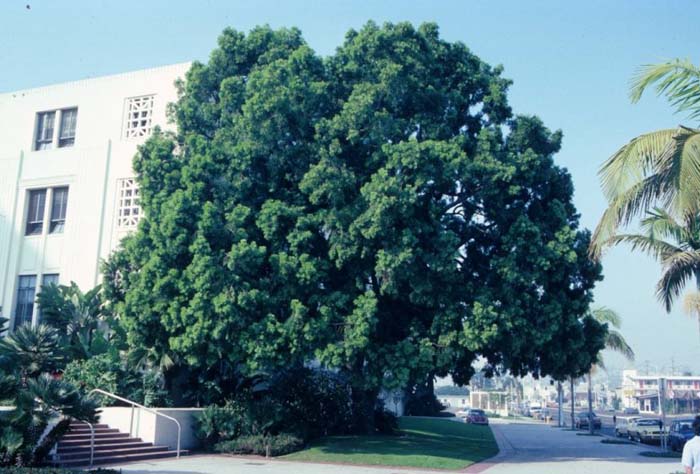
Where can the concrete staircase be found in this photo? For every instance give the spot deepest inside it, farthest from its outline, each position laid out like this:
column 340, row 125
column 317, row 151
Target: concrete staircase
column 111, row 447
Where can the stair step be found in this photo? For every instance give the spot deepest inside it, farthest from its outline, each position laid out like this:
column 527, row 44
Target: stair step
column 121, row 459
column 103, row 447
column 112, row 434
column 80, row 442
column 115, row 452
column 75, row 425
column 87, row 431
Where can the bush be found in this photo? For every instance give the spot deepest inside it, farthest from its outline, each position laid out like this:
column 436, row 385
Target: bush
column 103, row 371
column 215, row 424
column 262, row 445
column 303, row 402
column 108, row 372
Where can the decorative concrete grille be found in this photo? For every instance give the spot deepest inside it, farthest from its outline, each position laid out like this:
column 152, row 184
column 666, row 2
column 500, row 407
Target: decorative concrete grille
column 139, row 112
column 129, row 211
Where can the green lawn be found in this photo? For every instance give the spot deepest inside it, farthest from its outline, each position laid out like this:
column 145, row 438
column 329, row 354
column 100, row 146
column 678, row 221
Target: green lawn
column 423, row 442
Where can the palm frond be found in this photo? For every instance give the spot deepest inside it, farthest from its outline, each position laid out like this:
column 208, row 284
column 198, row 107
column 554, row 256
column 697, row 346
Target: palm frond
column 678, row 80
column 622, row 209
column 688, row 154
column 606, row 315
column 678, row 269
column 633, row 162
column 656, row 248
column 617, row 343
column 660, row 224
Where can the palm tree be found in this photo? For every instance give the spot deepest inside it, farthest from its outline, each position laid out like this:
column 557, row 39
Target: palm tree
column 676, row 245
column 656, row 169
column 614, row 341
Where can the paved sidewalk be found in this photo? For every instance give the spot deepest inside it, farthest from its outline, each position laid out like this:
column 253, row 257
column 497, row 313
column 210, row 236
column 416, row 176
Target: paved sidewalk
column 525, row 448
column 211, row 464
column 529, row 448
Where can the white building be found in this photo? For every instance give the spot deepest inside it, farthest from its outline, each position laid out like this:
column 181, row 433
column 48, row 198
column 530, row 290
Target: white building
column 67, row 194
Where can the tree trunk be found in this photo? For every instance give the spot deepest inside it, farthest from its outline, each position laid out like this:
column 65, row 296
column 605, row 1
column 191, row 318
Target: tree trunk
column 590, row 403
column 560, row 402
column 573, row 398
column 363, row 401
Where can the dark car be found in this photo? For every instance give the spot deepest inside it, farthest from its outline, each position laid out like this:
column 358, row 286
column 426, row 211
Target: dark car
column 630, row 411
column 681, row 431
column 581, row 421
column 477, row 417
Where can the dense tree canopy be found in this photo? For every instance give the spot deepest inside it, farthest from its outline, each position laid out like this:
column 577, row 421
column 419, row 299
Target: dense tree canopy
column 380, row 211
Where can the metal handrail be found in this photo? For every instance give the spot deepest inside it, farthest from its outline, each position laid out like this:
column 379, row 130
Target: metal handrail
column 92, row 440
column 131, row 424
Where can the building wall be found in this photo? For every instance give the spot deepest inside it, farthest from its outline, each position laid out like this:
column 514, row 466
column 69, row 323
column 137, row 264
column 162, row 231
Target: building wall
column 91, row 168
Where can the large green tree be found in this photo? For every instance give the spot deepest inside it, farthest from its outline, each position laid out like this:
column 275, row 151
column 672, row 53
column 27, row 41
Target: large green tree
column 380, row 211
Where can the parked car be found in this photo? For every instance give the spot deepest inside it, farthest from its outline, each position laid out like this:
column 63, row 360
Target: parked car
column 462, row 413
column 645, row 430
column 477, row 417
column 681, row 431
column 535, row 412
column 581, row 421
column 622, row 425
column 630, row 411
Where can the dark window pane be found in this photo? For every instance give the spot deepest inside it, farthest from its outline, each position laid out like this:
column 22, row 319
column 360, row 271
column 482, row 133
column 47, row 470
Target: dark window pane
column 25, row 300
column 35, row 212
column 59, row 203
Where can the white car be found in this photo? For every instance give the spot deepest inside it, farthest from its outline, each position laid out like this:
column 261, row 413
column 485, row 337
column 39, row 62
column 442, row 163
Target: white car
column 462, row 413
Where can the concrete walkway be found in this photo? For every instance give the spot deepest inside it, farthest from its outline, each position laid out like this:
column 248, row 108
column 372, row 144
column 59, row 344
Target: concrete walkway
column 528, row 448
column 525, row 448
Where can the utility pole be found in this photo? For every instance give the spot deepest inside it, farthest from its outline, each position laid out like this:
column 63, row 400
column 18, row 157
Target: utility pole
column 662, row 411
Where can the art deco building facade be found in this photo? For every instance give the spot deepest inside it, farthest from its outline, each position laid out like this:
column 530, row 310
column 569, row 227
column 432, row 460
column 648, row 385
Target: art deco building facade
column 67, row 188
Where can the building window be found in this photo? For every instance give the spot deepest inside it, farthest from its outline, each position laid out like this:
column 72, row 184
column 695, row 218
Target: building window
column 25, row 300
column 46, row 280
column 66, row 133
column 128, row 208
column 44, row 130
column 35, row 212
column 59, row 203
column 45, row 122
column 138, row 116
column 49, row 279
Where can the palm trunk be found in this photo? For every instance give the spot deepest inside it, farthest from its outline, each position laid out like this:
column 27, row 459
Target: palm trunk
column 590, row 403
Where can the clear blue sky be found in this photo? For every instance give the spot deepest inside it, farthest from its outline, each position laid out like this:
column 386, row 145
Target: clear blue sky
column 571, row 62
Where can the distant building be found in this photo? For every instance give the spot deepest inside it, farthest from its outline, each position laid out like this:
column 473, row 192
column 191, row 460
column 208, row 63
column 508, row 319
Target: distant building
column 67, row 188
column 680, row 392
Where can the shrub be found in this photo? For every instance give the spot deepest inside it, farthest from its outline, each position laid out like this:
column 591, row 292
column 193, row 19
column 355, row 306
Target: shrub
column 214, row 424
column 103, row 371
column 304, row 402
column 262, row 445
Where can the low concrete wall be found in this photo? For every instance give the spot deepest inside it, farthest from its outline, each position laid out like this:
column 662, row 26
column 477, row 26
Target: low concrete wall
column 152, row 428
